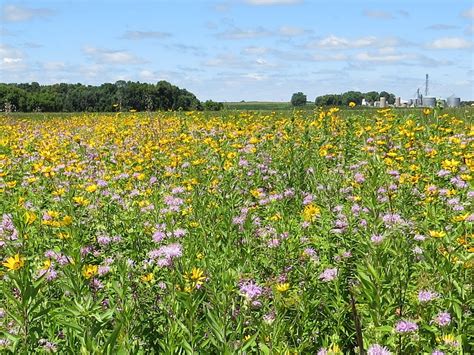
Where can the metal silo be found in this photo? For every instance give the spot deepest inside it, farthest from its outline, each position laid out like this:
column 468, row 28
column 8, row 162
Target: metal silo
column 453, row 101
column 383, row 101
column 429, row 101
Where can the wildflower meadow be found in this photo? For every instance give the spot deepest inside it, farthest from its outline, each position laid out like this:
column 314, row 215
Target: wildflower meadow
column 326, row 231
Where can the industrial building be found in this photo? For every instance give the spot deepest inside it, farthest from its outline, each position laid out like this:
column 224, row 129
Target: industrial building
column 419, row 100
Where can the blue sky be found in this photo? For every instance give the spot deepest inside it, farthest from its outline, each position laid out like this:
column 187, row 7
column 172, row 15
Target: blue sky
column 243, row 49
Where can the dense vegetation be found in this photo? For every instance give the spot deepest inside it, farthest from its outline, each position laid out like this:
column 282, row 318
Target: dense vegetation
column 123, row 95
column 298, row 99
column 320, row 231
column 353, row 96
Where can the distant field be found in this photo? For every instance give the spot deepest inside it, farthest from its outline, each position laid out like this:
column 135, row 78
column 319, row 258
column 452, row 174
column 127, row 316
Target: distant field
column 262, row 105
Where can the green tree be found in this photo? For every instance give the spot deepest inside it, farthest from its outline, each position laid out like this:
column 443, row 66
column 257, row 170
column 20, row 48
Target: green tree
column 298, row 99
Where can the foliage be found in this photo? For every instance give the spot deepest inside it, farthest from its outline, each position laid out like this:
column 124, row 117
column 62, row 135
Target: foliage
column 353, row 96
column 123, row 95
column 210, row 105
column 274, row 232
column 298, row 99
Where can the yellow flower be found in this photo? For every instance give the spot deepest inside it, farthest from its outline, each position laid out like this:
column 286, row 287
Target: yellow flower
column 67, row 220
column 196, row 275
column 310, row 212
column 276, row 217
column 352, row 104
column 148, row 277
column 426, row 111
column 81, row 201
column 461, row 218
column 335, row 349
column 30, row 217
column 91, row 188
column 194, row 279
column 283, row 287
column 89, row 271
column 449, row 339
column 437, row 234
column 14, row 262
column 46, row 264
column 451, row 165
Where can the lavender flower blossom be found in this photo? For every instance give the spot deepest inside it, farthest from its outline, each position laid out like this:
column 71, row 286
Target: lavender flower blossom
column 377, row 349
column 405, row 326
column 426, row 295
column 442, row 319
column 328, row 275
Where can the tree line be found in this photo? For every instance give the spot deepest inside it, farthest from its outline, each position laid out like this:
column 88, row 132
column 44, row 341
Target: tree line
column 299, row 99
column 120, row 96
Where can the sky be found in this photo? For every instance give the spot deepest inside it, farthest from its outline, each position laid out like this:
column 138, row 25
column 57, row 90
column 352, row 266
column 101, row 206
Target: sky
column 235, row 50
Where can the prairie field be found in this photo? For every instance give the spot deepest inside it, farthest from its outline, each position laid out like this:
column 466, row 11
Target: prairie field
column 322, row 231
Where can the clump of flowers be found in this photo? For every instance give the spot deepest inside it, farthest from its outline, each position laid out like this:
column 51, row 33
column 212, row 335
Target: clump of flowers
column 328, row 274
column 406, row 326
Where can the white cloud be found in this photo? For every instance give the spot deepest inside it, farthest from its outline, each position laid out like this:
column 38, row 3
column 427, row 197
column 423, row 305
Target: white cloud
column 290, row 31
column 14, row 13
column 11, row 58
column 237, row 33
column 441, row 27
column 335, row 42
column 108, row 56
column 273, row 2
column 450, row 43
column 138, row 35
column 254, row 76
column 254, row 50
column 54, row 66
column 378, row 14
column 381, row 57
column 469, row 13
column 329, row 57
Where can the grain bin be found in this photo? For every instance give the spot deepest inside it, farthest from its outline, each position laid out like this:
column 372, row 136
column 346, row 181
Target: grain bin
column 429, row 101
column 383, row 101
column 453, row 101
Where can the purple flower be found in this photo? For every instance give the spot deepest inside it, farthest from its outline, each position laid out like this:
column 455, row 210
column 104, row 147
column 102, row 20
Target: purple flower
column 96, row 284
column 251, row 290
column 405, row 326
column 7, row 228
column 165, row 255
column 308, row 199
column 177, row 190
column 377, row 239
column 103, row 270
column 104, row 240
column 442, row 319
column 419, row 237
column 359, row 178
column 180, row 232
column 391, row 219
column 328, row 275
column 311, row 253
column 377, row 349
column 273, row 243
column 158, row 236
column 443, row 173
column 437, row 352
column 426, row 295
